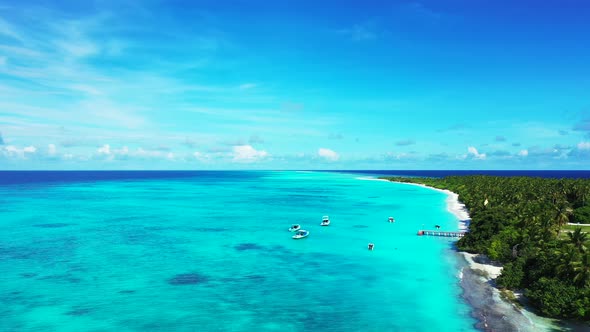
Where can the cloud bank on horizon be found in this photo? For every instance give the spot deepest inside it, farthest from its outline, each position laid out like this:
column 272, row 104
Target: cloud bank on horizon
column 294, row 85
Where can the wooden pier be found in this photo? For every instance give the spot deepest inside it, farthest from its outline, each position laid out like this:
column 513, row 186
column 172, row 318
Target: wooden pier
column 441, row 233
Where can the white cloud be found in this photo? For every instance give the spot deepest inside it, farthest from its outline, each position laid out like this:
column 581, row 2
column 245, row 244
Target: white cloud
column 201, row 156
column 390, row 156
column 246, row 153
column 523, row 153
column 11, row 151
column 30, row 149
column 473, row 152
column 105, row 149
column 51, row 149
column 141, row 153
column 328, row 154
column 581, row 151
column 123, row 151
column 109, row 153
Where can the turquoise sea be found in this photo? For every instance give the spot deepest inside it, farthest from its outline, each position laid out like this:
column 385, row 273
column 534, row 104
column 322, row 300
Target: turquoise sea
column 210, row 251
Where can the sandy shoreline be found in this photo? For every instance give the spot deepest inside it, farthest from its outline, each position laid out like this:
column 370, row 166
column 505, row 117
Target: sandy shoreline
column 477, row 278
column 454, row 206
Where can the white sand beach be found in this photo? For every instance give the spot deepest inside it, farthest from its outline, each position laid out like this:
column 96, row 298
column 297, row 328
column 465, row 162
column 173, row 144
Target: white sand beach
column 454, row 206
column 491, row 271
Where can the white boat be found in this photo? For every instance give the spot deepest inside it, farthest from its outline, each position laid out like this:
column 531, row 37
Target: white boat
column 391, row 219
column 325, row 221
column 294, row 228
column 302, row 233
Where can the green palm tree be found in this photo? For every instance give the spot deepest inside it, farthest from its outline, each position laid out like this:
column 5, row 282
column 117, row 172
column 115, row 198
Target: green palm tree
column 582, row 271
column 562, row 213
column 568, row 256
column 578, row 239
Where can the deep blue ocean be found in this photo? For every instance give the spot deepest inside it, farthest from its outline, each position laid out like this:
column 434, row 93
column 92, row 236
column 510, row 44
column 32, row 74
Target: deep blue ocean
column 23, row 177
column 211, row 251
column 443, row 173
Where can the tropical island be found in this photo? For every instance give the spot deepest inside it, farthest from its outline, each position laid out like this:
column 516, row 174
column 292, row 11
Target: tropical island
column 537, row 229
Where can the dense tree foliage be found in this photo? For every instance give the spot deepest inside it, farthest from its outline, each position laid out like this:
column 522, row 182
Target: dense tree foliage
column 519, row 221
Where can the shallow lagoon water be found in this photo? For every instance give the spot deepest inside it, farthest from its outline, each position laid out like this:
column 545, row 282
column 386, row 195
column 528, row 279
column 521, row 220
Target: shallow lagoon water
column 210, row 251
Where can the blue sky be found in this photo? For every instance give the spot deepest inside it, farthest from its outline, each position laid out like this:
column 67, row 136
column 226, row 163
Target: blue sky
column 465, row 84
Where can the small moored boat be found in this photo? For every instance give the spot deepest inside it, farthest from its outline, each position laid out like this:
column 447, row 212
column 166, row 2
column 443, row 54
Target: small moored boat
column 325, row 221
column 302, row 233
column 294, row 228
column 371, row 246
column 391, row 219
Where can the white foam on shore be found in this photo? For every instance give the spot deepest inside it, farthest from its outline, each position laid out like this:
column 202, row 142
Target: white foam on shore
column 491, row 271
column 459, row 210
column 454, row 206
